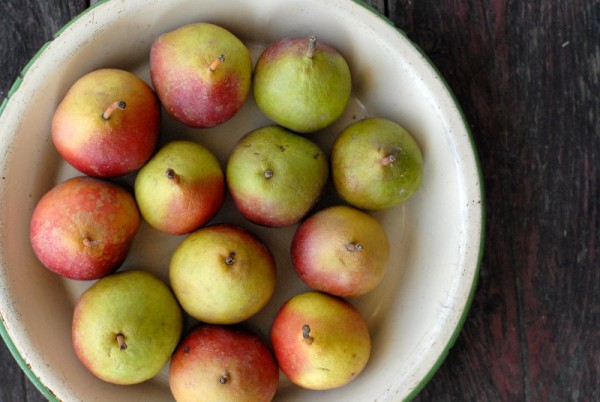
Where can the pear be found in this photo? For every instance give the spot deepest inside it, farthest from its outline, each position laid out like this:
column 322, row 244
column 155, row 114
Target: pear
column 108, row 123
column 276, row 177
column 341, row 250
column 83, row 228
column 320, row 341
column 181, row 188
column 222, row 274
column 202, row 73
column 223, row 363
column 126, row 326
column 376, row 164
column 302, row 84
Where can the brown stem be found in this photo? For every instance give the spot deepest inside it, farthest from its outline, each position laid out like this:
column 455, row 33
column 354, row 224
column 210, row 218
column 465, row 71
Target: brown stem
column 230, row 259
column 354, row 246
column 312, row 46
column 306, row 334
column 112, row 107
column 388, row 160
column 172, row 175
column 121, row 342
column 268, row 174
column 213, row 66
column 89, row 242
column 224, row 379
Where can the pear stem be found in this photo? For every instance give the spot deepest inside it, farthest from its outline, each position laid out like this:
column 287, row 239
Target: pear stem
column 230, row 259
column 312, row 46
column 224, row 379
column 112, row 107
column 213, row 66
column 172, row 175
column 306, row 334
column 268, row 174
column 89, row 242
column 354, row 246
column 388, row 160
column 121, row 342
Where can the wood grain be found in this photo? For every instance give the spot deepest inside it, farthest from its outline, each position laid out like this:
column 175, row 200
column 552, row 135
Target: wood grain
column 527, row 74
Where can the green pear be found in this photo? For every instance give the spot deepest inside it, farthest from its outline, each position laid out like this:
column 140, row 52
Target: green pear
column 302, row 84
column 341, row 250
column 126, row 326
column 222, row 274
column 181, row 188
column 202, row 73
column 376, row 164
column 276, row 177
column 320, row 341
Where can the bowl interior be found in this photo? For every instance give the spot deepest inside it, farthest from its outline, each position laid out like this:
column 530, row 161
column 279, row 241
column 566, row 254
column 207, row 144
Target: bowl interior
column 413, row 315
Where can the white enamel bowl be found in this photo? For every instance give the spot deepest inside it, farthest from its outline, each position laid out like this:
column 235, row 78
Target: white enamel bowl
column 414, row 315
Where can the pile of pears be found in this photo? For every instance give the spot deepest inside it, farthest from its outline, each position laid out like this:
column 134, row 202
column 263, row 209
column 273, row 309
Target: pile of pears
column 128, row 325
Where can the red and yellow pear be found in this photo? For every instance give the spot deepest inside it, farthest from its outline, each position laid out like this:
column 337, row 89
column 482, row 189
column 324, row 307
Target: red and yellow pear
column 202, row 73
column 222, row 364
column 341, row 250
column 83, row 227
column 181, row 188
column 108, row 123
column 320, row 341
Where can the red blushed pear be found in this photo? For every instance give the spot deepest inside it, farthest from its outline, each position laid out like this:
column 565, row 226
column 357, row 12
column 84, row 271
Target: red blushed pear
column 202, row 74
column 108, row 123
column 181, row 188
column 83, row 228
column 341, row 250
column 320, row 341
column 223, row 363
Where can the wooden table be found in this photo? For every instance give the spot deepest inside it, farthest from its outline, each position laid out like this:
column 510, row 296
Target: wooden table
column 527, row 74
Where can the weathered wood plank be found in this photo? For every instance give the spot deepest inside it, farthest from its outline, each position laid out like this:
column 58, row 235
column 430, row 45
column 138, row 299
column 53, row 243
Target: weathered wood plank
column 527, row 75
column 557, row 89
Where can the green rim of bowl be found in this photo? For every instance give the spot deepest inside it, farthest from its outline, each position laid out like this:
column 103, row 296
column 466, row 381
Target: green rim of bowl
column 50, row 395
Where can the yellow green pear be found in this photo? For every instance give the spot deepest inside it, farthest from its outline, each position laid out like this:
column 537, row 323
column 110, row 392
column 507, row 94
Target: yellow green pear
column 320, row 341
column 302, row 84
column 126, row 326
column 376, row 164
column 222, row 274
